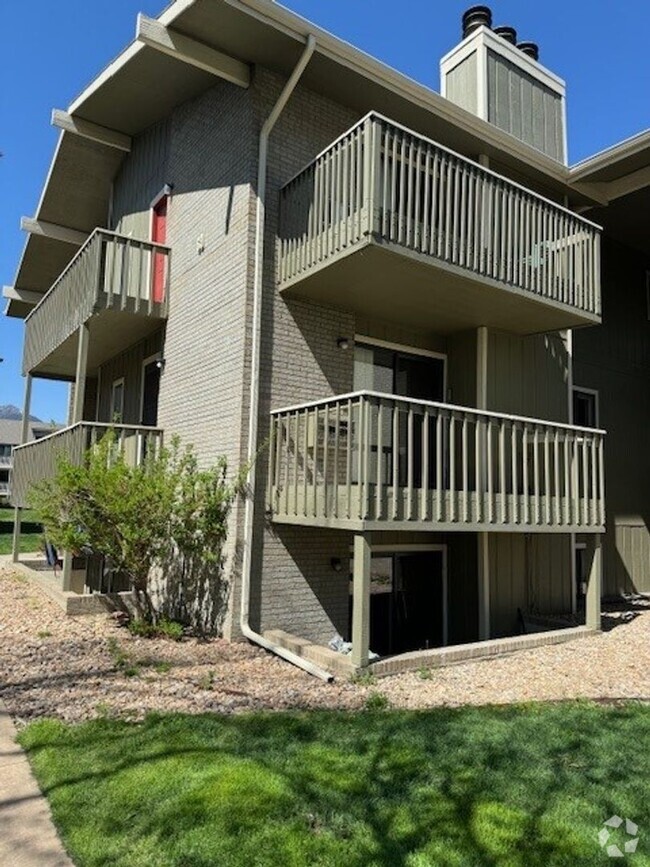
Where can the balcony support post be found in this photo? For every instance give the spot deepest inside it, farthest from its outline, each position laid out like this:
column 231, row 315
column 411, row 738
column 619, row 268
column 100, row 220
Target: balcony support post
column 361, row 600
column 24, row 436
column 594, row 581
column 80, row 376
column 483, row 586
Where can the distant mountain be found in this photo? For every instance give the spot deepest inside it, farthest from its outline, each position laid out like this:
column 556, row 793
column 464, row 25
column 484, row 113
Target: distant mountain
column 9, row 411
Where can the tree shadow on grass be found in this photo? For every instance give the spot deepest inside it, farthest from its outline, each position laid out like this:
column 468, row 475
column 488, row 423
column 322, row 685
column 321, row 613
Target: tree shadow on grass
column 494, row 786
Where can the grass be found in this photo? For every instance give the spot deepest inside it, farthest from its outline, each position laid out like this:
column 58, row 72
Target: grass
column 31, row 532
column 496, row 787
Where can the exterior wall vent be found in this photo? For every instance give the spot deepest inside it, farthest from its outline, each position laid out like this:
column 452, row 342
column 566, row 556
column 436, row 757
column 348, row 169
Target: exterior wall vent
column 503, row 82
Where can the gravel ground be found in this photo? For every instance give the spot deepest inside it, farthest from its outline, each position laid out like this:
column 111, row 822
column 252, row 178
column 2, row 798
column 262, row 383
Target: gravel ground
column 84, row 667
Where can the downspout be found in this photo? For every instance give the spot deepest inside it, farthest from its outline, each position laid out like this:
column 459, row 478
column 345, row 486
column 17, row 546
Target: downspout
column 247, row 560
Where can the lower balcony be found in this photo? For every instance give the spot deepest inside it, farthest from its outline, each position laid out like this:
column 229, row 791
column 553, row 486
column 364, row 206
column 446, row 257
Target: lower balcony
column 370, row 461
column 115, row 285
column 37, row 460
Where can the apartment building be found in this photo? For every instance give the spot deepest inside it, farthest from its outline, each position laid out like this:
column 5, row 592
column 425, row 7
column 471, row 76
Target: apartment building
column 407, row 305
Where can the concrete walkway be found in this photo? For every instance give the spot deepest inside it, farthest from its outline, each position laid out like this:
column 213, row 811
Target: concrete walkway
column 27, row 834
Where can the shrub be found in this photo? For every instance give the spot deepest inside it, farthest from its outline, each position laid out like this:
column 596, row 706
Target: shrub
column 164, row 517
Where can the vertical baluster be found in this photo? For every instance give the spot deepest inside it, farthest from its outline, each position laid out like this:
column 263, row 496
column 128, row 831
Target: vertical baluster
column 525, row 474
column 556, row 476
column 424, row 504
column 314, row 465
column 395, row 169
column 296, row 436
column 509, row 238
column 514, row 516
column 452, row 466
column 426, row 228
column 455, row 231
column 594, row 481
column 465, row 468
column 337, row 448
column 395, row 456
column 547, row 478
column 417, row 231
column 278, row 456
column 478, row 467
column 448, row 207
column 567, row 481
column 536, row 477
column 384, row 185
column 434, row 234
column 287, row 459
column 502, row 469
column 380, row 447
column 490, row 471
column 585, row 482
column 305, row 461
column 402, row 196
column 462, row 217
column 348, row 463
column 576, row 481
column 601, row 478
column 439, row 465
column 367, row 428
column 409, row 462
column 270, row 478
column 326, row 452
column 338, row 215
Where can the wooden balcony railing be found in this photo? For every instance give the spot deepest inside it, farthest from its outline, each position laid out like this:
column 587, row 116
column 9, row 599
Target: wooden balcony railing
column 368, row 460
column 382, row 181
column 37, row 460
column 109, row 272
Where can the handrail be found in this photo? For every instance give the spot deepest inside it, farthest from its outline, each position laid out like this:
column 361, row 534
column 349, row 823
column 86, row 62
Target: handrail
column 98, row 231
column 352, row 395
column 99, row 424
column 484, row 169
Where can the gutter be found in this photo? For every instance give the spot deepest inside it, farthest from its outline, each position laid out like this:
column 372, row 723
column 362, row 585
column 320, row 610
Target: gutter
column 247, row 562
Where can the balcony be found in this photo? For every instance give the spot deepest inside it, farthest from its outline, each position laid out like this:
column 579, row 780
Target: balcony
column 388, row 223
column 115, row 284
column 369, row 461
column 37, row 460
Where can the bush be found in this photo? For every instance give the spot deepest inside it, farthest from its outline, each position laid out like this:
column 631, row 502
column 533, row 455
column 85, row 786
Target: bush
column 164, row 517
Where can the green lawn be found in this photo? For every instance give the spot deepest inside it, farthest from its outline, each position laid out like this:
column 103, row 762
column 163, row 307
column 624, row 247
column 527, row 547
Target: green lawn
column 30, row 537
column 511, row 787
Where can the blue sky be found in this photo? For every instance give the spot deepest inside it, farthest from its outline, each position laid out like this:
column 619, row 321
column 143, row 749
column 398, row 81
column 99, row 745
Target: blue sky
column 55, row 49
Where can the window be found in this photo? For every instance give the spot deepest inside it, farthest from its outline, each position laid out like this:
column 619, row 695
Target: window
column 585, row 407
column 117, row 401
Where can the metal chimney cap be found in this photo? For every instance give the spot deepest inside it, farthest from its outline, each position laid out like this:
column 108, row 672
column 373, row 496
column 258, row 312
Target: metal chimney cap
column 474, row 17
column 531, row 49
column 507, row 33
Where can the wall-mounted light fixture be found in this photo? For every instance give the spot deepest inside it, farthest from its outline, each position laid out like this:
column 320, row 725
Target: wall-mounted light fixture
column 343, row 343
column 336, row 564
column 160, row 364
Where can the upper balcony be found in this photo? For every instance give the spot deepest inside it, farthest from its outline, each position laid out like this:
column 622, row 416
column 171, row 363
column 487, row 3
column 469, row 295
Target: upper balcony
column 115, row 284
column 388, row 223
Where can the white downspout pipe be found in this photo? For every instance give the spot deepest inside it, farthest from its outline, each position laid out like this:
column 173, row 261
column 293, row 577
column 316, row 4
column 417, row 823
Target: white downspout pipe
column 258, row 277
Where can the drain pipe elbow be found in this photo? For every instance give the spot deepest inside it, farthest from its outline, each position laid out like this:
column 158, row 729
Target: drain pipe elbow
column 247, row 561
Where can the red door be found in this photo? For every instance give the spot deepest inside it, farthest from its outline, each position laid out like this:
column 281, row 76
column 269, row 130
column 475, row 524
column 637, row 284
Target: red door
column 159, row 236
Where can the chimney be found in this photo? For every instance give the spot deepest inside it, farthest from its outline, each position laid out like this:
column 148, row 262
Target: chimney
column 507, row 33
column 475, row 17
column 501, row 81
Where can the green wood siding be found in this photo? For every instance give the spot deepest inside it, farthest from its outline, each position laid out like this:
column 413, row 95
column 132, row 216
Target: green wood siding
column 614, row 359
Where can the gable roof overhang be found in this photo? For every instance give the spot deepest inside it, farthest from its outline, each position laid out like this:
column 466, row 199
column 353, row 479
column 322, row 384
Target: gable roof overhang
column 620, row 177
column 143, row 85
